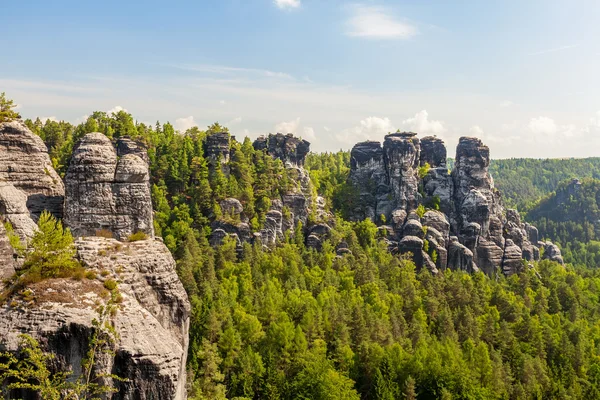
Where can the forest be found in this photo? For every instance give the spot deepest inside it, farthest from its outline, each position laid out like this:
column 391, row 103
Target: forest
column 292, row 322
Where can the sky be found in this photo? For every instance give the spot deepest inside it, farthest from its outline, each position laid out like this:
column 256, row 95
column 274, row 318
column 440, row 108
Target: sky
column 523, row 75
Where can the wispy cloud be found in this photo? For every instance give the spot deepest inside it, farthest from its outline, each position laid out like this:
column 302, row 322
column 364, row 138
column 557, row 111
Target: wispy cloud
column 224, row 70
column 553, row 50
column 376, row 23
column 287, row 4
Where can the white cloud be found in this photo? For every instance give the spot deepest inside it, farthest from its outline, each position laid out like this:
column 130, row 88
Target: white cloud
column 81, row 119
column 553, row 50
column 288, row 127
column 234, row 121
column 422, row 125
column 371, row 128
column 115, row 110
column 326, row 129
column 222, row 102
column 376, row 23
column 543, row 126
column 477, row 131
column 308, row 133
column 44, row 119
column 183, row 124
column 506, row 104
column 287, row 4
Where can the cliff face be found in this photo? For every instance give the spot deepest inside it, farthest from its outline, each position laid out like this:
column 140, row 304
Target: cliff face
column 105, row 189
column 152, row 321
column 28, row 183
column 471, row 231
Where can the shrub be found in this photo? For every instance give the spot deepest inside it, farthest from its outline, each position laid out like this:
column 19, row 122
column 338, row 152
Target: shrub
column 90, row 275
column 105, row 233
column 137, row 236
column 14, row 239
column 424, row 170
column 51, row 253
column 110, row 284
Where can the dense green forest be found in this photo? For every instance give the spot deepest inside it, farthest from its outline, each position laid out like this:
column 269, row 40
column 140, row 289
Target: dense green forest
column 295, row 323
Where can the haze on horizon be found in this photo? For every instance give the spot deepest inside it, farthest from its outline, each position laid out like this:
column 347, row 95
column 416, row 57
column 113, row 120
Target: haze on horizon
column 521, row 75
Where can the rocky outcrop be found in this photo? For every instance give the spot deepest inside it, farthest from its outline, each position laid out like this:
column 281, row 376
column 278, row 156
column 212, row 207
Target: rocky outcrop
column 107, row 193
column 217, row 147
column 29, row 183
column 552, row 252
column 471, row 231
column 287, row 148
column 126, row 145
column 152, row 319
column 7, row 259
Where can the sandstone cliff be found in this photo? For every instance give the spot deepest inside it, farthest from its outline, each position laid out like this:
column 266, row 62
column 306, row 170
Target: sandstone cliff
column 28, row 183
column 471, row 230
column 106, row 189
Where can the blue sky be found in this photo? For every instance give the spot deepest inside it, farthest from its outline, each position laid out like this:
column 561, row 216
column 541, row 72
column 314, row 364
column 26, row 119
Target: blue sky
column 522, row 75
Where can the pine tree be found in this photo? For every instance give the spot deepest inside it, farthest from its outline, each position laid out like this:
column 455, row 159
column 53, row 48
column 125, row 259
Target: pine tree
column 6, row 109
column 51, row 253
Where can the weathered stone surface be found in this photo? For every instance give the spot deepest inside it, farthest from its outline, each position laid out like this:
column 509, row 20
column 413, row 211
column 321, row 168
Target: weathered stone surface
column 231, row 206
column 470, row 207
column 368, row 176
column 126, row 145
column 285, row 147
column 552, row 253
column 433, row 152
column 106, row 193
column 25, row 164
column 401, row 154
column 489, row 256
column 413, row 227
column 217, row 147
column 152, row 321
column 512, row 262
column 13, row 208
column 273, row 228
column 460, row 258
column 7, row 261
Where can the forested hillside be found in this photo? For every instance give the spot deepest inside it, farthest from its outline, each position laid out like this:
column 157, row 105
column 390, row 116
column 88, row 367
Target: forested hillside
column 293, row 322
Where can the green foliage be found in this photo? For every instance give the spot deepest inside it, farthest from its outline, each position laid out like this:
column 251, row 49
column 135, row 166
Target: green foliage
column 14, row 239
column 421, row 210
column 51, row 253
column 7, row 112
column 424, row 170
column 137, row 236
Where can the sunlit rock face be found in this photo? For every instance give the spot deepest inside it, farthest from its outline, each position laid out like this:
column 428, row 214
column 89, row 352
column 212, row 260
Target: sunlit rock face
column 106, row 192
column 28, row 182
column 151, row 321
column 471, row 230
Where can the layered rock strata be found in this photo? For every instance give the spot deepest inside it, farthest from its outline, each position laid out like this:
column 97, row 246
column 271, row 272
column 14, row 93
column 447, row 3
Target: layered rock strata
column 471, row 231
column 29, row 184
column 105, row 192
column 151, row 320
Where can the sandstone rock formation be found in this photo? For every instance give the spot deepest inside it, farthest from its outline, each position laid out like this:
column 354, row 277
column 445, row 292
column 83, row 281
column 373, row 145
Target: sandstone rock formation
column 471, row 231
column 152, row 321
column 29, row 183
column 106, row 192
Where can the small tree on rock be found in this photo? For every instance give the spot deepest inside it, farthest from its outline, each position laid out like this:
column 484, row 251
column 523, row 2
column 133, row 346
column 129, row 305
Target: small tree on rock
column 51, row 253
column 6, row 109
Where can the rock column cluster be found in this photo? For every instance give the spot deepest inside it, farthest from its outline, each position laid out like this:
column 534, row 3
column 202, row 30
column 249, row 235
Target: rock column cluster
column 107, row 191
column 466, row 227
